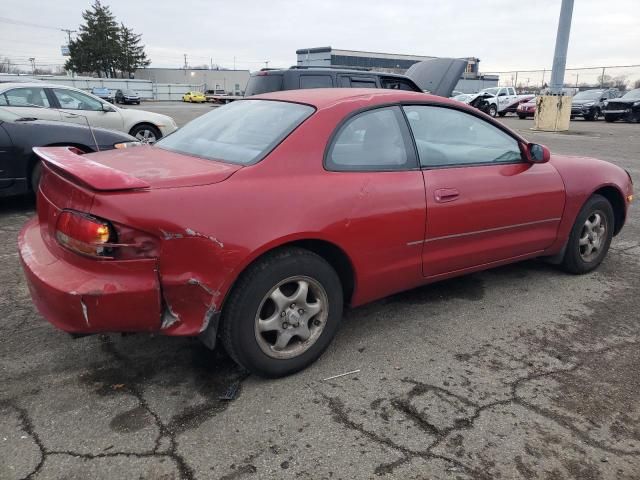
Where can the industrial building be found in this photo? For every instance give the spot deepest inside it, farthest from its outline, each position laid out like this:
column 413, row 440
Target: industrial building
column 231, row 81
column 471, row 81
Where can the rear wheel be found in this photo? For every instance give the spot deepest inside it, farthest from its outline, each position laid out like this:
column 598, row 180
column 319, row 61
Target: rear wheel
column 610, row 118
column 282, row 313
column 146, row 133
column 590, row 236
column 522, row 117
column 502, row 114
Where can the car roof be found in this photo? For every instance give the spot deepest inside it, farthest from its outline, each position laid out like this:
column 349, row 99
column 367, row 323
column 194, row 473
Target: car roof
column 323, row 97
column 297, row 70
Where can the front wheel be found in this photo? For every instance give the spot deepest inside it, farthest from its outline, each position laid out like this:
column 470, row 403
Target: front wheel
column 593, row 116
column 522, row 117
column 610, row 118
column 146, row 133
column 493, row 110
column 502, row 114
column 590, row 236
column 282, row 313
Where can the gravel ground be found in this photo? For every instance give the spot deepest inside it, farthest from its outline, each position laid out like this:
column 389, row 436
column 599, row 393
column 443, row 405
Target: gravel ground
column 518, row 372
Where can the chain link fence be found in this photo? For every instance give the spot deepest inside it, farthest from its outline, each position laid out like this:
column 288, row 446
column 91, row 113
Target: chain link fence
column 622, row 77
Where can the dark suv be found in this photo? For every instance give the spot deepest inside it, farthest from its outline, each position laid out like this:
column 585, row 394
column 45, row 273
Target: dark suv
column 589, row 104
column 272, row 80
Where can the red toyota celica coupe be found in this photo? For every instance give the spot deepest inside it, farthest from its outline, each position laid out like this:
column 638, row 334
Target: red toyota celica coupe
column 257, row 222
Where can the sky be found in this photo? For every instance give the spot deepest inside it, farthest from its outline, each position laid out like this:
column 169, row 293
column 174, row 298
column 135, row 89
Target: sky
column 504, row 34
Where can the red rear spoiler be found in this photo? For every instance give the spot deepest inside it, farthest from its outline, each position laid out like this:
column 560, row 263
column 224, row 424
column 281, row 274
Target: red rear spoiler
column 93, row 174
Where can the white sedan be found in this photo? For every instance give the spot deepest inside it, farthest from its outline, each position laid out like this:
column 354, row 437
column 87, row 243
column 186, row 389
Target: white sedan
column 57, row 102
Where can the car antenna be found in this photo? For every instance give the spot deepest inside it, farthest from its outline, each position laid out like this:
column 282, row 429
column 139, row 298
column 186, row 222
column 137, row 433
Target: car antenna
column 93, row 135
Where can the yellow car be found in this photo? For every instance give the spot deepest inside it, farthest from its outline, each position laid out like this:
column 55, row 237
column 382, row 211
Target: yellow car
column 194, row 97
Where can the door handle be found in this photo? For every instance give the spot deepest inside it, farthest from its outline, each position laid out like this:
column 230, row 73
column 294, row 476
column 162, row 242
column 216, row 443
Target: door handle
column 446, row 195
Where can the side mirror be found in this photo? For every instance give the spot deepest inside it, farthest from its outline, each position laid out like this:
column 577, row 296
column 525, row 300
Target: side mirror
column 538, row 153
column 107, row 108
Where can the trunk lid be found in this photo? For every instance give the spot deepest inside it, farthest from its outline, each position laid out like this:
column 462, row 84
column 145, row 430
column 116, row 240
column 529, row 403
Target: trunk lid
column 135, row 168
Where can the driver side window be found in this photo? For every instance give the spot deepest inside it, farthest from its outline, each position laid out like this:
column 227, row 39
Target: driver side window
column 72, row 100
column 449, row 137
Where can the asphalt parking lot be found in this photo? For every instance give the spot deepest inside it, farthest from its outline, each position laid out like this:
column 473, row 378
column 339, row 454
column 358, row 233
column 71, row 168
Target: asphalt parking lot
column 518, row 372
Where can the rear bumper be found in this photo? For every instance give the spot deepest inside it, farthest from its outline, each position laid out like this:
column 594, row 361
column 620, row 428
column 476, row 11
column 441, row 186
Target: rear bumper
column 89, row 296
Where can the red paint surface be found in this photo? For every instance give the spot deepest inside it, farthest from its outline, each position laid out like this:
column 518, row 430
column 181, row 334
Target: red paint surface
column 212, row 219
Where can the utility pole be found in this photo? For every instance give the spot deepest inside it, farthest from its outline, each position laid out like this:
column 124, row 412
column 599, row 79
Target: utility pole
column 266, row 64
column 562, row 44
column 185, row 61
column 234, row 62
column 33, row 65
column 68, row 32
column 210, row 63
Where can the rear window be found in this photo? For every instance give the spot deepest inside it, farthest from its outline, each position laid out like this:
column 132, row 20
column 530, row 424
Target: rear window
column 241, row 132
column 262, row 83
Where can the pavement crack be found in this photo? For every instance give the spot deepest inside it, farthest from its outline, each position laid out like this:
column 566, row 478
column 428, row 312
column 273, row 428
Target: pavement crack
column 27, row 426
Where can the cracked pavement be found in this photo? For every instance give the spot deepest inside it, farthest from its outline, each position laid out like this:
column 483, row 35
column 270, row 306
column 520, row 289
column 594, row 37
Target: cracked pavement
column 518, row 372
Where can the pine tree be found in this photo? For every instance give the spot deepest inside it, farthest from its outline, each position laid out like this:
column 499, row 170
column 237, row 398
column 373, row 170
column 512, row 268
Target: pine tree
column 103, row 47
column 132, row 53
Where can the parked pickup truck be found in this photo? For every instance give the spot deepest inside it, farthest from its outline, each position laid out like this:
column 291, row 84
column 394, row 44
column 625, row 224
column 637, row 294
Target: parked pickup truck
column 220, row 96
column 501, row 100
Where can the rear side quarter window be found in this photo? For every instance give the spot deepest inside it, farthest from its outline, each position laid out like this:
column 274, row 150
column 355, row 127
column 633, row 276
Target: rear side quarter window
column 374, row 140
column 316, row 81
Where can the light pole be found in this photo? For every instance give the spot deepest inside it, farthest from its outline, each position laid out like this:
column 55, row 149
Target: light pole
column 33, row 65
column 562, row 44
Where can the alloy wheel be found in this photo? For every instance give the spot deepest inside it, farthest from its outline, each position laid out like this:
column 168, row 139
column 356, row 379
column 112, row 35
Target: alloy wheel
column 146, row 136
column 593, row 236
column 291, row 317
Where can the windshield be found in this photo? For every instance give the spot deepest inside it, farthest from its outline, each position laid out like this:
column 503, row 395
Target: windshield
column 588, row 95
column 241, row 132
column 632, row 95
column 263, row 84
column 128, row 92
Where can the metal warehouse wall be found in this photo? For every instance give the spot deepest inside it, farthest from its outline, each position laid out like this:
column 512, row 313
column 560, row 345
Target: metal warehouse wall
column 232, row 81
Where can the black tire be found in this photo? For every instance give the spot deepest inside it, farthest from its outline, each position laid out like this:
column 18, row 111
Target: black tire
column 610, row 118
column 522, row 117
column 140, row 130
column 493, row 110
column 238, row 327
column 573, row 261
column 36, row 173
column 593, row 116
column 502, row 114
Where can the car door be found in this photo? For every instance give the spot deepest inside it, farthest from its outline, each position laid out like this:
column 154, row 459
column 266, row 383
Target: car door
column 29, row 102
column 503, row 99
column 7, row 159
column 378, row 185
column 78, row 107
column 485, row 203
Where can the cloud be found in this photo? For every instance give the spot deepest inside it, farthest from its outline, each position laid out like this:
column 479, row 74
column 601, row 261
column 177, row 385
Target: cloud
column 504, row 34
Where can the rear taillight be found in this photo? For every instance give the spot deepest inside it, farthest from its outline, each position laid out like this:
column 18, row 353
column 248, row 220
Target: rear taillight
column 84, row 234
column 99, row 238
